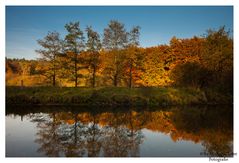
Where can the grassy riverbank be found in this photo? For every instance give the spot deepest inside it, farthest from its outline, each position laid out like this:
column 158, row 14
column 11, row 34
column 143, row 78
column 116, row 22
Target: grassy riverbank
column 113, row 96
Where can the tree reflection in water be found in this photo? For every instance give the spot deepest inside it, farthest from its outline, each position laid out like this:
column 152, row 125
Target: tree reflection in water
column 213, row 126
column 93, row 135
column 119, row 133
column 47, row 135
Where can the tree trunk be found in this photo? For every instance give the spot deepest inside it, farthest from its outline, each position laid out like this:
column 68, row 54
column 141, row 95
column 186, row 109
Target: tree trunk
column 54, row 72
column 130, row 74
column 115, row 80
column 54, row 79
column 76, row 75
column 93, row 77
column 22, row 85
column 116, row 71
column 54, row 76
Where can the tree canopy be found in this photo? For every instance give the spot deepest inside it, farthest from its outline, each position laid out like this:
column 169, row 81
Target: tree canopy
column 204, row 62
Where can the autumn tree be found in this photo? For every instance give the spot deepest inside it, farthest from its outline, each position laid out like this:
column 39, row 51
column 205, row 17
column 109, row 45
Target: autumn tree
column 217, row 57
column 184, row 50
column 115, row 39
column 190, row 74
column 93, row 46
column 155, row 67
column 74, row 45
column 51, row 49
column 133, row 43
column 184, row 62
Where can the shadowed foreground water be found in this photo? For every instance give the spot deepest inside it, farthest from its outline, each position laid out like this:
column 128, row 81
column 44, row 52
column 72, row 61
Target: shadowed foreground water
column 119, row 132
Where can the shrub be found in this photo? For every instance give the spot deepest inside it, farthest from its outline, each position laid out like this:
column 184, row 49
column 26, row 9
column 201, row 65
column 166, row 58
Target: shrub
column 190, row 74
column 121, row 100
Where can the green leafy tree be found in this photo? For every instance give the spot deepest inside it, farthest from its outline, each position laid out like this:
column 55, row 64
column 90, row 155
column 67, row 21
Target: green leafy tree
column 93, row 47
column 51, row 49
column 133, row 43
column 115, row 40
column 217, row 56
column 74, row 45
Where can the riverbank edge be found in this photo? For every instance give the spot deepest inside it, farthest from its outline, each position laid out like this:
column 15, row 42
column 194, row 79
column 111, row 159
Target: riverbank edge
column 113, row 96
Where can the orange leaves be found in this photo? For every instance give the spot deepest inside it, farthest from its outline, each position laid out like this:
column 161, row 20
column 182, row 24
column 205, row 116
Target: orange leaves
column 152, row 66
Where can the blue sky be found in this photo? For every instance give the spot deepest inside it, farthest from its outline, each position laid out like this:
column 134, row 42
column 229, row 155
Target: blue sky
column 25, row 25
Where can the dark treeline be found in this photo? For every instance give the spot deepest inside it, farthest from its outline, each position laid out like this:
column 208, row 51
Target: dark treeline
column 82, row 58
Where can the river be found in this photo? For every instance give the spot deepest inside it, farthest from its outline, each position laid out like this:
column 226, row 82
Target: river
column 190, row 131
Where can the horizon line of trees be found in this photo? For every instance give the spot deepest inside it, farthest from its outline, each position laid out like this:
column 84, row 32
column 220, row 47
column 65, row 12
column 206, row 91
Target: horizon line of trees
column 117, row 58
column 68, row 52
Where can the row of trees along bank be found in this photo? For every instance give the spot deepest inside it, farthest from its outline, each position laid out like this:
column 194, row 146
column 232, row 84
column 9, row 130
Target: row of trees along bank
column 117, row 59
column 74, row 53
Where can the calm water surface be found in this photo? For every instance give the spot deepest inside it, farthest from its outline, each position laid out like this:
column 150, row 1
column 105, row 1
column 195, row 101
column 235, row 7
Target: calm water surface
column 162, row 132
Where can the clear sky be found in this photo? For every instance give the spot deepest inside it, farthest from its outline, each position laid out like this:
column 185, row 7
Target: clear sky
column 25, row 25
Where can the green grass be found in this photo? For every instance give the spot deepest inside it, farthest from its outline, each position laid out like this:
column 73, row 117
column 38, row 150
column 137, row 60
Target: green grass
column 105, row 96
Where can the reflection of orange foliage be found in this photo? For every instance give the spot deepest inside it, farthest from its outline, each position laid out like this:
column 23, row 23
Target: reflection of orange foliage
column 84, row 118
column 70, row 121
column 158, row 121
column 182, row 135
column 104, row 118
